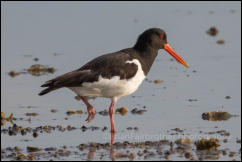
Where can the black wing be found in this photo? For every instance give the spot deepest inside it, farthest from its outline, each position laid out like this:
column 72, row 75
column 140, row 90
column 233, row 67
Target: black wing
column 107, row 66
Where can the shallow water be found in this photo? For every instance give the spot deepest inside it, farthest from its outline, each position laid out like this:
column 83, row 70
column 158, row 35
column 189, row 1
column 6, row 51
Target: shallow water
column 66, row 35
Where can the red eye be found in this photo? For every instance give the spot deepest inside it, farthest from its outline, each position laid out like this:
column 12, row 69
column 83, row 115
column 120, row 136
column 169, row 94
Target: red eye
column 161, row 36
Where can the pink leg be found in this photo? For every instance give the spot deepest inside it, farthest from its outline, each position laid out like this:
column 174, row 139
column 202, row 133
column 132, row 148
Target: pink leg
column 113, row 134
column 111, row 114
column 90, row 109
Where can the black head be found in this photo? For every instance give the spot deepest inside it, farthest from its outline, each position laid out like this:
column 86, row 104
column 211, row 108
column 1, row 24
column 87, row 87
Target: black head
column 154, row 38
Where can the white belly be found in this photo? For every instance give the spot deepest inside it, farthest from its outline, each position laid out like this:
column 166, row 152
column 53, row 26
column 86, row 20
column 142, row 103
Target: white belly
column 113, row 87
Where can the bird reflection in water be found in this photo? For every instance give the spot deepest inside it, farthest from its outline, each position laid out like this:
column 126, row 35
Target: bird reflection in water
column 92, row 150
column 91, row 153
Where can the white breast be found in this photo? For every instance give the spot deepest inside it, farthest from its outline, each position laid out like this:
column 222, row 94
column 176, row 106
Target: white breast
column 113, row 87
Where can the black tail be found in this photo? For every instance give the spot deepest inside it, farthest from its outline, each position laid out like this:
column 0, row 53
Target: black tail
column 47, row 90
column 50, row 88
column 63, row 81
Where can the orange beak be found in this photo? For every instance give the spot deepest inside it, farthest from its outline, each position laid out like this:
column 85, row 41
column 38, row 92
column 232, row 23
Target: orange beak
column 169, row 49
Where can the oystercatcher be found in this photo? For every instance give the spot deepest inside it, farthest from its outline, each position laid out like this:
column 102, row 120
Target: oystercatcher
column 114, row 75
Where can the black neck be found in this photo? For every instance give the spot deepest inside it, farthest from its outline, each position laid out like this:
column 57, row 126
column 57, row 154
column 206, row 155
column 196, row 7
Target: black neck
column 147, row 55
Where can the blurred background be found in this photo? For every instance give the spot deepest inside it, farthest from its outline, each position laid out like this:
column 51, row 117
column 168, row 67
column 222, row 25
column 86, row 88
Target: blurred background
column 66, row 35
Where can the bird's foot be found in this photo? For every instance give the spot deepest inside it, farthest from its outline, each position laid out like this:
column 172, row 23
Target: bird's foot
column 91, row 114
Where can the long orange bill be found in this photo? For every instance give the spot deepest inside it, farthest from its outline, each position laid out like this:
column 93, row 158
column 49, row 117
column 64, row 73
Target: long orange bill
column 169, row 49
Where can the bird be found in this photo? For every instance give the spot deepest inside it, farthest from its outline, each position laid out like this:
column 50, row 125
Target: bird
column 114, row 75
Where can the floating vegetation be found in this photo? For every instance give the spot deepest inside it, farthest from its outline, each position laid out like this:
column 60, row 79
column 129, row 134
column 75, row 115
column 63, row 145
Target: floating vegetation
column 123, row 111
column 183, row 141
column 13, row 73
column 2, row 118
column 191, row 100
column 31, row 114
column 208, row 154
column 8, row 119
column 227, row 97
column 79, row 111
column 158, row 81
column 216, row 116
column 35, row 134
column 72, row 112
column 33, row 149
column 70, row 128
column 213, row 31
column 35, row 70
column 104, row 112
column 2, row 115
column 38, row 70
column 142, row 150
column 220, row 41
column 132, row 128
column 188, row 155
column 53, row 110
column 137, row 111
column 131, row 156
column 208, row 144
